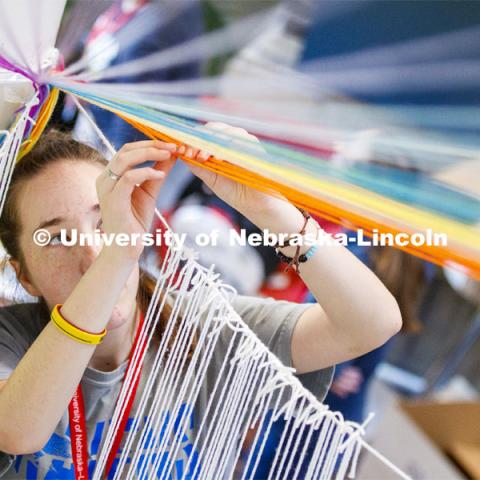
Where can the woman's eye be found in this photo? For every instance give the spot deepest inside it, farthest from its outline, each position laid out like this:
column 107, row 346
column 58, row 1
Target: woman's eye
column 55, row 240
column 60, row 239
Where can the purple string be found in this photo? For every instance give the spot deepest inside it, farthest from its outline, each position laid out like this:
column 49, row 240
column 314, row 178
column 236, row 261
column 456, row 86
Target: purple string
column 41, row 90
column 7, row 65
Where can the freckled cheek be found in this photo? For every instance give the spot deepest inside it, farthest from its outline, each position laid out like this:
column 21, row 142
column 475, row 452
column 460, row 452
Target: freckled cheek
column 56, row 274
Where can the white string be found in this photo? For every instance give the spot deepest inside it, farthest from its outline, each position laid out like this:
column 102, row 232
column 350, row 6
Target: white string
column 213, row 430
column 148, row 387
column 152, row 317
column 127, row 387
column 345, row 462
column 254, row 407
column 175, row 382
column 214, row 43
column 155, row 308
column 226, row 422
column 360, row 431
column 259, row 437
column 10, row 147
column 318, row 453
column 385, row 461
column 195, row 374
column 280, row 449
column 10, row 31
column 212, row 395
column 148, row 20
column 301, row 458
column 315, row 126
column 332, row 453
column 92, row 123
column 159, row 389
column 298, row 436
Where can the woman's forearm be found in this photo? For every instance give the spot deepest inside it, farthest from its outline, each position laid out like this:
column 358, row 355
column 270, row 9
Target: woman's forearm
column 37, row 393
column 356, row 302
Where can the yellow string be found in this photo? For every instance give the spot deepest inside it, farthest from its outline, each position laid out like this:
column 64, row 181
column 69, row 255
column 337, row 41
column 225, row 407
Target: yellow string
column 371, row 210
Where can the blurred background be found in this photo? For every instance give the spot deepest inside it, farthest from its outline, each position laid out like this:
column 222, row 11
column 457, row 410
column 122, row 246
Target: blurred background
column 424, row 384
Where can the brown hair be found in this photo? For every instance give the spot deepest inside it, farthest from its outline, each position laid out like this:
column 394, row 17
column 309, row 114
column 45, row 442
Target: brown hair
column 404, row 276
column 52, row 147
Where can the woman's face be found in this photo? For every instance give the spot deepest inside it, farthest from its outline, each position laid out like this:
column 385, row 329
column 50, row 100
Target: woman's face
column 63, row 196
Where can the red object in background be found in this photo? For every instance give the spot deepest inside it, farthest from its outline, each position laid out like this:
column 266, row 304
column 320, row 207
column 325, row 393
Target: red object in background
column 283, row 285
column 113, row 19
column 160, row 228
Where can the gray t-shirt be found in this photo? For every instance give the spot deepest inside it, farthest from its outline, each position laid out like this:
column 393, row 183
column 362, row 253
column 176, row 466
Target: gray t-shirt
column 272, row 321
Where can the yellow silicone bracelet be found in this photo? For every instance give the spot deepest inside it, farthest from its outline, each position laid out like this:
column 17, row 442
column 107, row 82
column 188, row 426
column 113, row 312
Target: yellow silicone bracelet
column 76, row 333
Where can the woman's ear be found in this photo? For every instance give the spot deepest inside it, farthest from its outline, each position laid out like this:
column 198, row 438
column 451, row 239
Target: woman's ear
column 23, row 278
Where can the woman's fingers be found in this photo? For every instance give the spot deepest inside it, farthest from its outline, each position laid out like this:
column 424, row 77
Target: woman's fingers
column 128, row 147
column 194, row 153
column 142, row 178
column 203, row 155
column 137, row 176
column 122, row 162
column 127, row 190
column 134, row 154
column 119, row 201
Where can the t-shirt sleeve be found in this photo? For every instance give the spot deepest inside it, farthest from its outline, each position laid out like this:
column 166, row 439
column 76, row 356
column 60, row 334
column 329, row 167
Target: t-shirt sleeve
column 273, row 321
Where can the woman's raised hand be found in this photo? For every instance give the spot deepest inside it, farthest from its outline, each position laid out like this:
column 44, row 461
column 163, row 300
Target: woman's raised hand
column 127, row 195
column 244, row 199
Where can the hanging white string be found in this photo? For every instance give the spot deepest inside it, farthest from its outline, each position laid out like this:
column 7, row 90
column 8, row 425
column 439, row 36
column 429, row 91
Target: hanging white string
column 158, row 443
column 10, row 147
column 101, row 136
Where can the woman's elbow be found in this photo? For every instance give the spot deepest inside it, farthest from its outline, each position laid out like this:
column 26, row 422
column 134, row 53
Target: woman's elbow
column 389, row 322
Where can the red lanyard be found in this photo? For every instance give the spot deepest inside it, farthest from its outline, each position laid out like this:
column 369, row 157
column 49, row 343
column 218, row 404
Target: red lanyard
column 78, row 426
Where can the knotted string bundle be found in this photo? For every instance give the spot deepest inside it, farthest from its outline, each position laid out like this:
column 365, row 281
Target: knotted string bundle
column 250, row 388
column 30, row 122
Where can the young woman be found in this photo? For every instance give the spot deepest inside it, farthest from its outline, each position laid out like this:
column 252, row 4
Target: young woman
column 62, row 184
